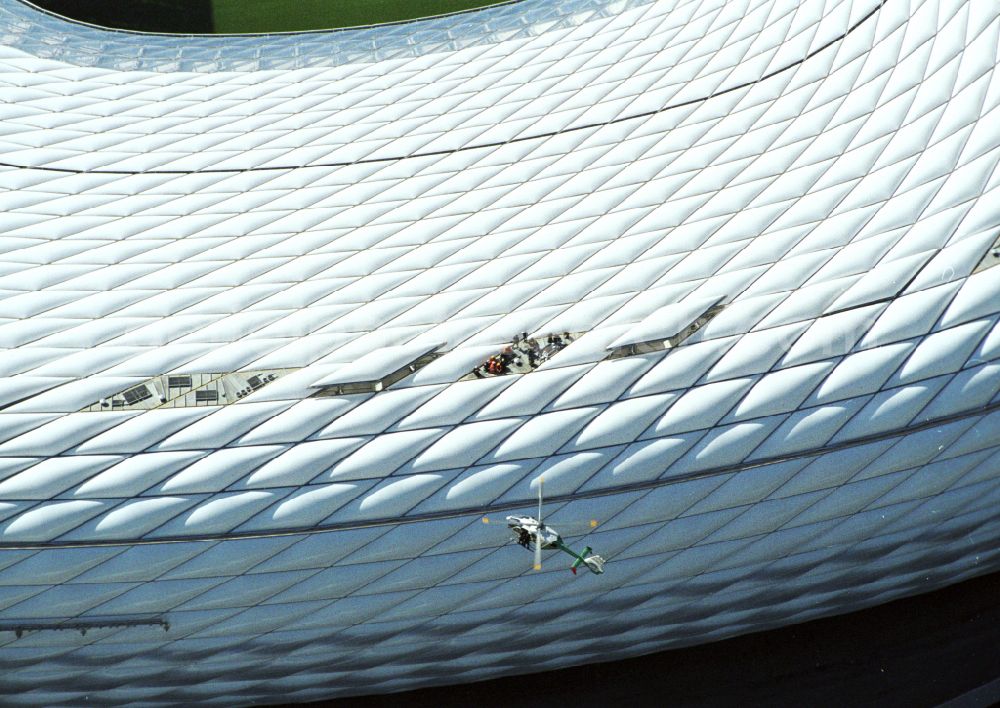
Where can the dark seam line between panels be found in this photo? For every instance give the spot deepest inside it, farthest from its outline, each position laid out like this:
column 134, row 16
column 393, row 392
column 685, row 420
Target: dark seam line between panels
column 439, row 153
column 520, row 504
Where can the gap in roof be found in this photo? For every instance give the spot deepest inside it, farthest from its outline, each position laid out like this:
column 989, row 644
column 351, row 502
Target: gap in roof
column 250, row 16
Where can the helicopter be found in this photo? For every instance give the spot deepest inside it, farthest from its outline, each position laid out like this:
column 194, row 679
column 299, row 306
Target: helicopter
column 530, row 532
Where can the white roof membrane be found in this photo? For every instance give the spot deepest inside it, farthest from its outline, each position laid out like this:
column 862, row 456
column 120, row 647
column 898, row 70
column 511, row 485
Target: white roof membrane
column 334, row 208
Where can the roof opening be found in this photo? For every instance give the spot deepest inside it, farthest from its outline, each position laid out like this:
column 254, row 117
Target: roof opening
column 666, row 328
column 378, row 371
column 523, row 355
column 250, row 16
column 182, row 390
column 991, row 258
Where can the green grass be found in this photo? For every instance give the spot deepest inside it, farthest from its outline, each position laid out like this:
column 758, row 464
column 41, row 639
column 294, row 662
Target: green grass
column 237, row 16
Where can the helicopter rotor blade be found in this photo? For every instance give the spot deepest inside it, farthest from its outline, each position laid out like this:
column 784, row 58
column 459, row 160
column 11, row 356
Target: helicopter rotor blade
column 576, row 528
column 541, row 480
column 538, row 530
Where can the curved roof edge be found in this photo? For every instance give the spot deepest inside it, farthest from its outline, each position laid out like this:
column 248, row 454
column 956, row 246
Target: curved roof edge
column 47, row 35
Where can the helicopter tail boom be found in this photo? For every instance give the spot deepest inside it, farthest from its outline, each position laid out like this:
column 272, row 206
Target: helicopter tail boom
column 594, row 563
